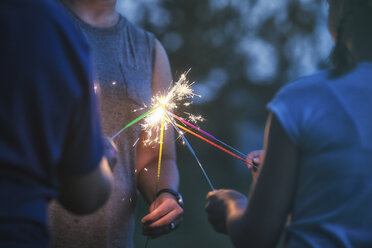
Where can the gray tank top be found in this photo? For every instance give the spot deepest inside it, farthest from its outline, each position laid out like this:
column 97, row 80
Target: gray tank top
column 123, row 58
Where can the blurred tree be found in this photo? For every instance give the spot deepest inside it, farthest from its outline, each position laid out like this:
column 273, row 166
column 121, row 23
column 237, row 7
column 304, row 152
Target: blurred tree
column 240, row 52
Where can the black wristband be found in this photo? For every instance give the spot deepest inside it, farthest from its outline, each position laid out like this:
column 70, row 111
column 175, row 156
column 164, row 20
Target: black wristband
column 172, row 192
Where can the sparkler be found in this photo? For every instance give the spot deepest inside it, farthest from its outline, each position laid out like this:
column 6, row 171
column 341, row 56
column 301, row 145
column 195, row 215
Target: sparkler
column 134, row 122
column 160, row 114
column 191, row 150
column 160, row 150
column 163, row 104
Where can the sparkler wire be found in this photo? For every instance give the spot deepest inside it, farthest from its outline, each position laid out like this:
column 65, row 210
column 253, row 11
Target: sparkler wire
column 191, row 150
column 207, row 134
column 210, row 142
column 135, row 121
column 191, row 125
column 160, row 149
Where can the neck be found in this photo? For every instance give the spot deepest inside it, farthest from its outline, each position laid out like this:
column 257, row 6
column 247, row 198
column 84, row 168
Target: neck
column 98, row 13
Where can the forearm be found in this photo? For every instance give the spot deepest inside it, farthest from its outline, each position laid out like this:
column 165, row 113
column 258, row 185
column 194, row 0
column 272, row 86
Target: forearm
column 245, row 232
column 148, row 182
column 76, row 191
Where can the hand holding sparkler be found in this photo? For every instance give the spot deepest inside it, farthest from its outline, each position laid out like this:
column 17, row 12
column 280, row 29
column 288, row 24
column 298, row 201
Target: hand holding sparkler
column 253, row 161
column 224, row 206
column 165, row 216
column 160, row 114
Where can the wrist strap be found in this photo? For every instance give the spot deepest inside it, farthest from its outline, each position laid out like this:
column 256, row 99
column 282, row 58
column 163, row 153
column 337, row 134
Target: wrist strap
column 172, row 192
column 166, row 190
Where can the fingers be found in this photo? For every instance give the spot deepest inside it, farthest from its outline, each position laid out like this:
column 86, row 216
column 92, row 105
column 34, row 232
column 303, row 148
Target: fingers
column 163, row 219
column 157, row 213
column 214, row 212
column 211, row 193
column 154, row 232
column 254, row 159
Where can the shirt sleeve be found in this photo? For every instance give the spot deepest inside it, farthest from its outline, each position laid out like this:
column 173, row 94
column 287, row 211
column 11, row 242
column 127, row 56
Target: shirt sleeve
column 286, row 106
column 83, row 147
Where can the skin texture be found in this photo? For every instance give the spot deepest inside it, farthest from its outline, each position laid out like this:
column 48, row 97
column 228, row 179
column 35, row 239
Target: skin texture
column 254, row 159
column 164, row 209
column 257, row 220
column 76, row 191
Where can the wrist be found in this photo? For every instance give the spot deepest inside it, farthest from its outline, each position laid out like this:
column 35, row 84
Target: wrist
column 171, row 193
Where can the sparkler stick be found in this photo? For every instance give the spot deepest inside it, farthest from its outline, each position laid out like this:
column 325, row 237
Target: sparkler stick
column 210, row 142
column 191, row 150
column 207, row 134
column 191, row 125
column 135, row 121
column 215, row 145
column 160, row 150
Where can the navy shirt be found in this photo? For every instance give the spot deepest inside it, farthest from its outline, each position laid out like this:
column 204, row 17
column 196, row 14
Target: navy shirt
column 330, row 122
column 48, row 116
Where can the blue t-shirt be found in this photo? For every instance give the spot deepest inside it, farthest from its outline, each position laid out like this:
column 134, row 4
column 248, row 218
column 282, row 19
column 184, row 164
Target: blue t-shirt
column 48, row 115
column 331, row 123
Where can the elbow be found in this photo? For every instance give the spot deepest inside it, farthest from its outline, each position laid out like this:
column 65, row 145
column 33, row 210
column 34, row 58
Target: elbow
column 86, row 204
column 86, row 194
column 244, row 234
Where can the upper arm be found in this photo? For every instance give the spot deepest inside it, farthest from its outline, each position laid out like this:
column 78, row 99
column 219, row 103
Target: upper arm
column 84, row 180
column 161, row 81
column 162, row 76
column 271, row 197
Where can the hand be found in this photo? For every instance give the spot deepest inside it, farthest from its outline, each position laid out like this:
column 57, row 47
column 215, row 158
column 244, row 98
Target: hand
column 253, row 161
column 163, row 211
column 221, row 204
column 110, row 152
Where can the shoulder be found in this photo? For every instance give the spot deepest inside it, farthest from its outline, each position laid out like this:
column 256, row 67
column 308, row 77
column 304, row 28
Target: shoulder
column 143, row 44
column 50, row 21
column 138, row 34
column 308, row 85
column 296, row 102
column 46, row 32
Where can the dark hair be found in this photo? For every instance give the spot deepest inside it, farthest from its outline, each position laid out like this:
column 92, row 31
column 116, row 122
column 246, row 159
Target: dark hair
column 342, row 59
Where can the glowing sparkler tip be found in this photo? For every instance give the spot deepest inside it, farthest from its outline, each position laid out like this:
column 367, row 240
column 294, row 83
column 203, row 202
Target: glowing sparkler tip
column 181, row 90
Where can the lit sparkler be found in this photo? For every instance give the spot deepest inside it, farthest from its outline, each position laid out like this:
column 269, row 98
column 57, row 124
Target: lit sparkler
column 156, row 120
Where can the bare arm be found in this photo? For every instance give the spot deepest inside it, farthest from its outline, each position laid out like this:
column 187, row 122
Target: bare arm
column 166, row 209
column 259, row 221
column 147, row 156
column 85, row 194
column 271, row 198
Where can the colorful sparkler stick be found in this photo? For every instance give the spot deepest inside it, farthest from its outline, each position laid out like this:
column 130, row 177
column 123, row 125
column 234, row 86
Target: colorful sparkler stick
column 135, row 121
column 160, row 150
column 207, row 134
column 191, row 125
column 210, row 142
column 191, row 149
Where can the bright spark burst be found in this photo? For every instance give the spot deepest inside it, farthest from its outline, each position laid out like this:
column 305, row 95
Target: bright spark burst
column 181, row 91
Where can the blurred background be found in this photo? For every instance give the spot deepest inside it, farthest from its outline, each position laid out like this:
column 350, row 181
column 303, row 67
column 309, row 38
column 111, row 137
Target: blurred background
column 240, row 53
